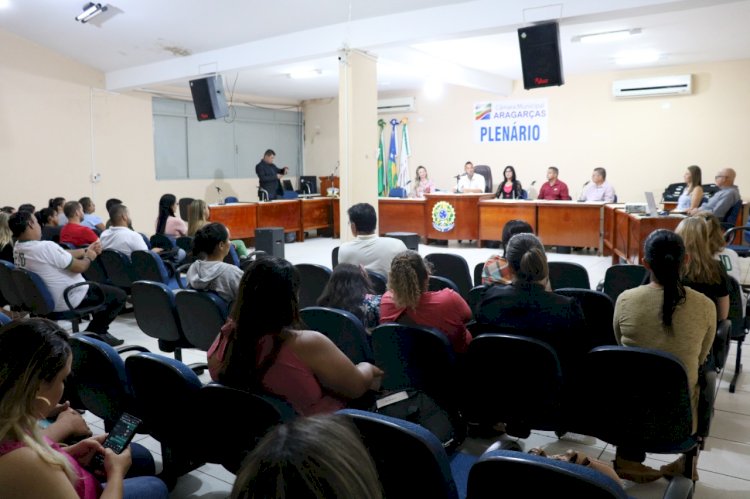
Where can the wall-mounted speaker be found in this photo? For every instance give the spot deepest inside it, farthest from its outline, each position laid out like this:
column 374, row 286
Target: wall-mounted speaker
column 208, row 98
column 540, row 55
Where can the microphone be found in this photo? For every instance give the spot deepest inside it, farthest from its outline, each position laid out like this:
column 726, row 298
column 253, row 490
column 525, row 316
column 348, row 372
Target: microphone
column 581, row 199
column 533, row 183
column 218, row 189
column 586, row 183
column 459, row 176
column 407, row 183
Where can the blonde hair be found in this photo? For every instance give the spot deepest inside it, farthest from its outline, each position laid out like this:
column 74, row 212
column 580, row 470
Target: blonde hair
column 6, row 236
column 408, row 279
column 702, row 268
column 716, row 241
column 196, row 216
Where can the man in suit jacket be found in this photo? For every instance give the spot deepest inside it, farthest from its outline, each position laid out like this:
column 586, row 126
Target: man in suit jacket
column 270, row 175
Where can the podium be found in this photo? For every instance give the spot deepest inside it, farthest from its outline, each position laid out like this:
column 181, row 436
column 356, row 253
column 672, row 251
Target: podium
column 453, row 216
column 326, row 182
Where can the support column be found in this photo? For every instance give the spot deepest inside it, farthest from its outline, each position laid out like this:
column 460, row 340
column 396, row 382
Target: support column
column 358, row 133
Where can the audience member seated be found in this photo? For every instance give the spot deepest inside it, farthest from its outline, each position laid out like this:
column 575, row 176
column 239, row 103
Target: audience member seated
column 702, row 272
column 58, row 204
column 167, row 223
column 598, row 189
column 198, row 214
column 73, row 232
column 526, row 307
column 368, row 249
column 729, row 258
column 728, row 195
column 319, row 456
column 692, row 196
column 91, row 219
column 554, row 189
column 120, row 237
column 6, row 239
column 407, row 300
column 421, row 184
column 60, row 268
column 35, row 359
column 495, row 270
column 349, row 288
column 8, row 209
column 259, row 349
column 27, row 207
column 111, row 202
column 664, row 315
column 63, row 424
column 48, row 218
column 510, row 187
column 210, row 273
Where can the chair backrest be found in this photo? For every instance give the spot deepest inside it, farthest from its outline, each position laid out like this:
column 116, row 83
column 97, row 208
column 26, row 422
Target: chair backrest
column 156, row 313
column 673, row 191
column 568, row 275
column 538, row 476
column 397, row 192
column 476, row 295
column 162, row 241
column 599, row 310
column 118, row 267
column 409, row 459
column 720, row 348
column 415, row 357
column 341, row 327
column 4, row 319
column 290, row 195
column 148, row 266
column 34, row 293
column 736, row 313
column 232, row 257
column 185, row 242
column 454, row 267
column 313, row 279
column 184, row 204
column 311, row 181
column 478, row 268
column 486, row 172
column 436, row 283
column 379, row 282
column 7, row 286
column 334, row 257
column 100, row 379
column 231, row 199
column 96, row 272
column 741, row 244
column 733, row 215
column 531, row 390
column 201, row 313
column 619, row 278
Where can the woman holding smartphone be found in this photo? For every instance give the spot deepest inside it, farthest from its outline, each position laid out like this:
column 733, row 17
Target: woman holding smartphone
column 35, row 359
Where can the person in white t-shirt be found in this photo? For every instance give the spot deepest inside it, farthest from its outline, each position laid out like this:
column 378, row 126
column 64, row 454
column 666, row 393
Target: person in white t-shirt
column 470, row 182
column 120, row 237
column 60, row 268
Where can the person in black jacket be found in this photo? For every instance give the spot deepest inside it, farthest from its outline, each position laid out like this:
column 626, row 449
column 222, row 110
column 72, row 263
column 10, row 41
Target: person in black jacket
column 270, row 175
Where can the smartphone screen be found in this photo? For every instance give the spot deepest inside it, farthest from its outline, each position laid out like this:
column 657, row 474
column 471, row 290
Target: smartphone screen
column 119, row 438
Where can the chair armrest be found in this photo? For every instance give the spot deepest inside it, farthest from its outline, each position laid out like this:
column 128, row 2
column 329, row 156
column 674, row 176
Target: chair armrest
column 93, row 284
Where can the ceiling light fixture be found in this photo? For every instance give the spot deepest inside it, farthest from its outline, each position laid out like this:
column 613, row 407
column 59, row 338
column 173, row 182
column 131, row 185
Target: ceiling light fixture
column 90, row 11
column 304, row 74
column 607, row 36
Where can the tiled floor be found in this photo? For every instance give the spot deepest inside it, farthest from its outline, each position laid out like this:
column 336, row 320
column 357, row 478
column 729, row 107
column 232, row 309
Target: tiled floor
column 724, row 466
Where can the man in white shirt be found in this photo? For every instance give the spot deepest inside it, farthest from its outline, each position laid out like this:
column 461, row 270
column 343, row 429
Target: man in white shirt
column 372, row 252
column 470, row 181
column 60, row 268
column 119, row 236
column 598, row 189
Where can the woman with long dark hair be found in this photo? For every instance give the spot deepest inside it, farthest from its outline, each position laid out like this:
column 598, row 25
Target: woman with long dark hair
column 692, row 195
column 349, row 288
column 58, row 204
column 664, row 315
column 260, row 348
column 167, row 223
column 510, row 187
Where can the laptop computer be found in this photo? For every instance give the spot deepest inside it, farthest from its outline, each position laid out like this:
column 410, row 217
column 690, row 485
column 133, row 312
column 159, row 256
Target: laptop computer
column 652, row 211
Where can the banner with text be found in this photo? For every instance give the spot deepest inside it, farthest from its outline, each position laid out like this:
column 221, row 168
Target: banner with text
column 511, row 121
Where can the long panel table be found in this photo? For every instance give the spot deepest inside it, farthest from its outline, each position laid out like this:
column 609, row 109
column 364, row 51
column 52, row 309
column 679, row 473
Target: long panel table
column 495, row 213
column 466, row 210
column 562, row 223
column 625, row 233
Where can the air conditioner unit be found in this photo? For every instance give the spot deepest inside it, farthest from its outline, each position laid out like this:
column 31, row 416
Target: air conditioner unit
column 657, row 86
column 396, row 105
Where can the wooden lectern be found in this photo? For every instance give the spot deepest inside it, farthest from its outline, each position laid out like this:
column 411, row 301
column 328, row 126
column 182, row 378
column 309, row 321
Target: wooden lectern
column 326, row 182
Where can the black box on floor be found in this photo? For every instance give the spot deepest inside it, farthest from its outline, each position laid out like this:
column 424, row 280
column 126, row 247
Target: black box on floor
column 270, row 240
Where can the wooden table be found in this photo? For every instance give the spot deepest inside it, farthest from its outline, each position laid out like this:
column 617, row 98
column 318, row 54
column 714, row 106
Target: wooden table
column 566, row 223
column 625, row 233
column 466, row 209
column 495, row 213
column 239, row 218
column 401, row 215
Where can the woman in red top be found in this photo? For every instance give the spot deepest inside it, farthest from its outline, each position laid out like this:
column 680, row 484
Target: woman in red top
column 260, row 349
column 407, row 296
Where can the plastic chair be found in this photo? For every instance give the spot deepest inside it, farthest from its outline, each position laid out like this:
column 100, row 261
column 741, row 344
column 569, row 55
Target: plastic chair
column 454, row 267
column 436, row 283
column 201, row 313
column 378, row 281
column 599, row 311
column 619, row 278
column 313, row 279
column 524, row 394
column 568, row 275
column 341, row 327
column 409, row 459
column 149, row 266
column 537, row 476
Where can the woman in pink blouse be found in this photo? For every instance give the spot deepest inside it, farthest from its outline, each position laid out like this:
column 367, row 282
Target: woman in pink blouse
column 167, row 223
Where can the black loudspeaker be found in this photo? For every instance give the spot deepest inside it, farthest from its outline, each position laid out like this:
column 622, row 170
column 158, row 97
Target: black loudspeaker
column 270, row 240
column 540, row 55
column 208, row 98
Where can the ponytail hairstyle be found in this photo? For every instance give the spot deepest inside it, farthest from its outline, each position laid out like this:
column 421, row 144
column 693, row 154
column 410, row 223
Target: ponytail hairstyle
column 196, row 216
column 526, row 258
column 57, row 203
column 702, row 267
column 408, row 279
column 664, row 251
column 44, row 215
column 513, row 227
column 166, row 202
column 716, row 241
column 208, row 238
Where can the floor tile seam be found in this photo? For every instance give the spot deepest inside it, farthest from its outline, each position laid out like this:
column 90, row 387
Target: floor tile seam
column 214, row 477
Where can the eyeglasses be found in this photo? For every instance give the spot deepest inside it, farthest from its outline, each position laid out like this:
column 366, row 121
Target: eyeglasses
column 717, row 177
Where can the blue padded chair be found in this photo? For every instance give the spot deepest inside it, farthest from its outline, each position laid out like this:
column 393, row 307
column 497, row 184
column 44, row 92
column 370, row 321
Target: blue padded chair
column 341, row 327
column 184, row 242
column 166, row 397
column 599, row 310
column 436, row 283
column 162, row 241
column 201, row 313
column 290, row 195
column 740, row 326
column 38, row 301
column 313, row 279
column 148, row 266
column 476, row 295
column 397, row 192
column 7, row 288
column 231, row 199
column 525, row 394
column 730, row 219
column 409, row 459
column 334, row 257
column 119, row 269
column 4, row 319
column 537, row 476
column 379, row 282
column 100, row 379
column 453, row 267
column 619, row 278
column 232, row 257
column 478, row 268
column 732, row 237
column 96, row 272
column 568, row 275
column 236, row 421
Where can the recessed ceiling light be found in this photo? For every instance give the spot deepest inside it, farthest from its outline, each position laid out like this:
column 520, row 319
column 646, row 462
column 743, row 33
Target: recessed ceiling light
column 606, row 36
column 636, row 57
column 4, row 4
column 304, row 74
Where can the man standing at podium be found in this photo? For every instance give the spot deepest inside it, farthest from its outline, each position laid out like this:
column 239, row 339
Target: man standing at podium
column 270, row 175
column 470, row 181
